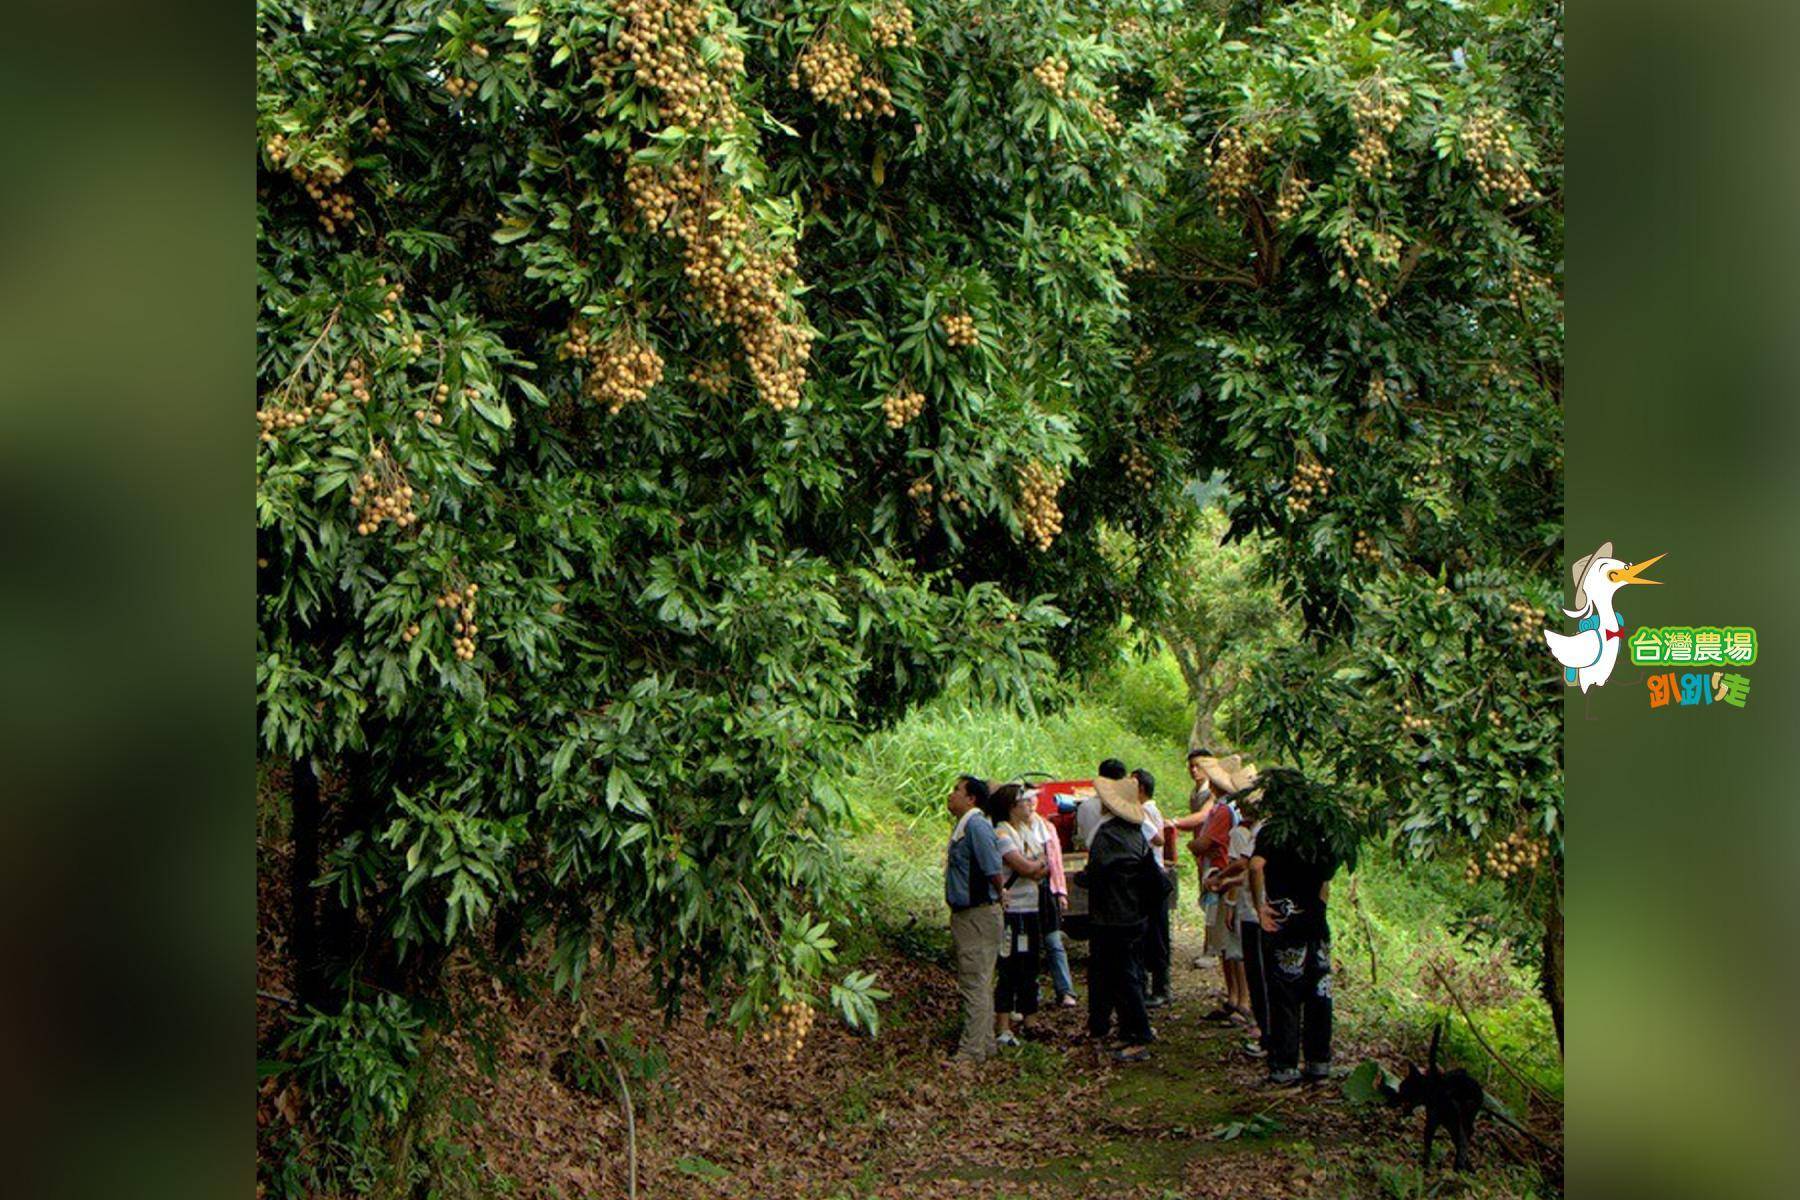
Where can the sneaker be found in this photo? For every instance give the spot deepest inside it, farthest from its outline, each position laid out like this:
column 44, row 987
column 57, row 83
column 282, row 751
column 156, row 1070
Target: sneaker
column 1131, row 1054
column 1068, row 1000
column 1157, row 1000
column 1284, row 1078
column 1315, row 1072
column 1005, row 1039
column 1254, row 1050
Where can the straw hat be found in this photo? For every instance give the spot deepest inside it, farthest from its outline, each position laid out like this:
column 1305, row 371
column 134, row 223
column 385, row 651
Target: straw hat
column 1228, row 770
column 1240, row 774
column 1120, row 798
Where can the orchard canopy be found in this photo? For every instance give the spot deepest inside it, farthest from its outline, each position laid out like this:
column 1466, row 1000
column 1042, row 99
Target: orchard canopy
column 657, row 395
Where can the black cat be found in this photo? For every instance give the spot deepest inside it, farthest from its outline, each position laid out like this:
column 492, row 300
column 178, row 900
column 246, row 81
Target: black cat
column 1451, row 1098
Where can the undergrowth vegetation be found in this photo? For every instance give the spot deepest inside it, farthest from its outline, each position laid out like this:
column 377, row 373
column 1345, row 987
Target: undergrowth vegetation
column 1410, row 937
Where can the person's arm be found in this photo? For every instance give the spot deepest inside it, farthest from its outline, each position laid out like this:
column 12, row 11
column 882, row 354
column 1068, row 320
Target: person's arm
column 1059, row 884
column 1022, row 866
column 1193, row 820
column 986, row 849
column 1265, row 916
column 1231, row 875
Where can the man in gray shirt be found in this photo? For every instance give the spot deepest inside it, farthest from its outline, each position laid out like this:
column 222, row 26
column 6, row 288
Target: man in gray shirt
column 972, row 884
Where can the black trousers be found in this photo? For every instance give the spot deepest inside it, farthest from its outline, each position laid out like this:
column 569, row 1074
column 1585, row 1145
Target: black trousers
column 1297, row 969
column 1252, row 936
column 1116, row 983
column 1156, row 950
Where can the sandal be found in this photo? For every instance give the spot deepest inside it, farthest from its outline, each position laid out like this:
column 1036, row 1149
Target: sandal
column 1222, row 1013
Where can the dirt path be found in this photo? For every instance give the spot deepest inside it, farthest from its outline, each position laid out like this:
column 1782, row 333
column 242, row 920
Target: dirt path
column 850, row 1118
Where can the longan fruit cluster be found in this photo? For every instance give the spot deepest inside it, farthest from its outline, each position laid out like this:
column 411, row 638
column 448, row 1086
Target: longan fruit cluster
column 649, row 194
column 1487, row 143
column 1376, row 112
column 1371, row 156
column 410, row 632
column 383, row 494
column 776, row 354
column 273, row 420
column 1378, row 393
column 1310, row 481
column 336, row 207
column 1139, row 469
column 1527, row 622
column 461, row 603
column 891, row 27
column 837, row 78
column 712, row 376
column 381, row 130
column 713, row 232
column 461, row 88
column 276, row 148
column 959, row 330
column 1423, row 475
column 1410, row 721
column 1523, row 283
column 1039, row 512
column 952, row 496
column 1232, row 170
column 660, row 42
column 1128, row 27
column 1105, row 117
column 1295, row 188
column 624, row 370
column 902, row 406
column 1517, row 854
column 390, row 298
column 1053, row 74
column 1365, row 547
column 430, row 412
column 356, row 381
column 1378, row 108
column 793, row 1021
column 920, row 492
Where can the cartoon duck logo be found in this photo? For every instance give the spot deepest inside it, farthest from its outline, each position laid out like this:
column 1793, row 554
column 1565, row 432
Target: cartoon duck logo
column 1589, row 654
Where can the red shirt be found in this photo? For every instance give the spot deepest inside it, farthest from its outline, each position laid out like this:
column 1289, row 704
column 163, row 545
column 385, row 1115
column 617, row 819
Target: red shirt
column 1212, row 841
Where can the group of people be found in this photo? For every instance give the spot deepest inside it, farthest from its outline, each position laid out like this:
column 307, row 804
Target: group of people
column 1263, row 900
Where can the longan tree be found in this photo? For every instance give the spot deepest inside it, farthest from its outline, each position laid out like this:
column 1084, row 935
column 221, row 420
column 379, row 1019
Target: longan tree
column 1352, row 302
column 652, row 396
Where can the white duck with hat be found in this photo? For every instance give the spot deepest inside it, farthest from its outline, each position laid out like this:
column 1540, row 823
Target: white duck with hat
column 1589, row 654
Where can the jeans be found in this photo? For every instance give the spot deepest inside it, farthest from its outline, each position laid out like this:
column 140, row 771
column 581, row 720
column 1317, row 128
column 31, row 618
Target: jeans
column 1297, row 968
column 1116, row 983
column 976, row 935
column 1058, row 956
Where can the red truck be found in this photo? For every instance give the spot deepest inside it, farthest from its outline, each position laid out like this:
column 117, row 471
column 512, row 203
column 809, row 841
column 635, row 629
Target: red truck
column 1057, row 800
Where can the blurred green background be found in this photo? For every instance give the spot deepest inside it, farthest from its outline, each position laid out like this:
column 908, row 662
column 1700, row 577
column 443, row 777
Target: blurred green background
column 1681, row 433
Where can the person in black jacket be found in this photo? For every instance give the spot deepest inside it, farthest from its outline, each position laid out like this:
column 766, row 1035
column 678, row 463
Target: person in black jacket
column 1124, row 884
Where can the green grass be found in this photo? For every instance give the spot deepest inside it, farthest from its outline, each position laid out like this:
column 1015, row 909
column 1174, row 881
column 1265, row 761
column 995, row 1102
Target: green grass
column 901, row 777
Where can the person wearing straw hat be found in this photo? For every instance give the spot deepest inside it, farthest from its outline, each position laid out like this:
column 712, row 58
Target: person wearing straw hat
column 1216, row 780
column 1123, row 882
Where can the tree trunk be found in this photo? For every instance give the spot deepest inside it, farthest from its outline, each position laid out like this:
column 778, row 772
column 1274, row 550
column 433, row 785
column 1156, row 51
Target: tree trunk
column 1550, row 972
column 303, row 908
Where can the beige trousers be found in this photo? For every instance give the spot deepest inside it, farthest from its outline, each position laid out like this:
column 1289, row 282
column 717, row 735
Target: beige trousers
column 976, row 935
